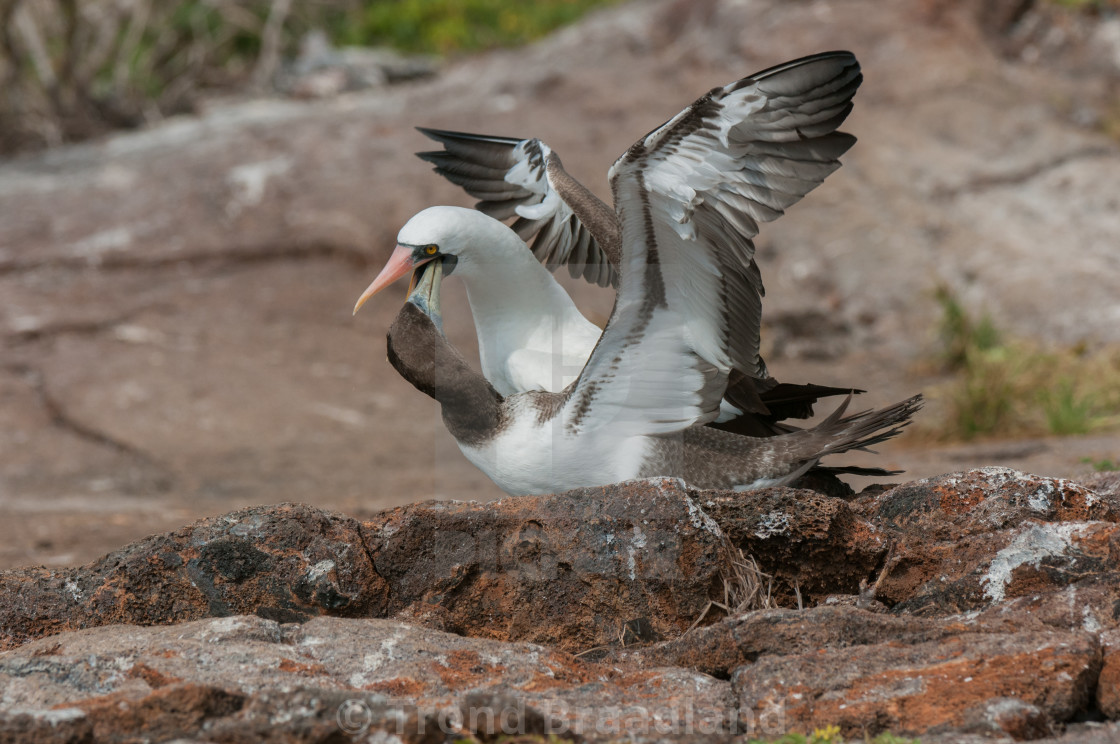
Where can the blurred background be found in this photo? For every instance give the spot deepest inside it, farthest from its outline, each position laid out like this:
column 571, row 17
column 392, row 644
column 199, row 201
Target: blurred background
column 193, row 194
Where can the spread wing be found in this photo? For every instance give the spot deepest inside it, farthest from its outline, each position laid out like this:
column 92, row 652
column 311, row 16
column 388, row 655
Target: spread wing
column 524, row 179
column 690, row 196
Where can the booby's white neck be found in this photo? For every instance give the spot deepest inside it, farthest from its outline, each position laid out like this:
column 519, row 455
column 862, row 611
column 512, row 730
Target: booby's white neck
column 520, row 311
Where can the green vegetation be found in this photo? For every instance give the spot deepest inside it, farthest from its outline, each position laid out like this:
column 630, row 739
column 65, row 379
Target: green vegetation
column 447, row 26
column 1016, row 388
column 960, row 333
column 1093, row 6
column 1101, row 465
column 72, row 70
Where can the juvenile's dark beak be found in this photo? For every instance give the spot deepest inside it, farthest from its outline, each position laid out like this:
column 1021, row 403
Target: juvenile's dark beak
column 425, row 290
column 400, row 263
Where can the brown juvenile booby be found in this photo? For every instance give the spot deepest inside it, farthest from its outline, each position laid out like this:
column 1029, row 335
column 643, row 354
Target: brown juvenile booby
column 771, row 146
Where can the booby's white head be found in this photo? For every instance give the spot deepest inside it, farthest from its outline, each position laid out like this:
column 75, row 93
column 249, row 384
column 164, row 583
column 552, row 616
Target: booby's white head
column 464, row 240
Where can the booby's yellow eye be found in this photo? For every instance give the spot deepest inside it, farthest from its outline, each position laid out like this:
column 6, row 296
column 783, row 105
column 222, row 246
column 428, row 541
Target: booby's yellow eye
column 431, row 250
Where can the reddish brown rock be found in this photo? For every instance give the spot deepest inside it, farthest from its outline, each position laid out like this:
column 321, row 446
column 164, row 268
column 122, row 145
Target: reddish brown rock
column 238, row 675
column 806, row 541
column 961, row 542
column 1106, row 485
column 983, row 500
column 1108, row 685
column 288, row 562
column 161, row 714
column 1089, row 606
column 617, row 574
column 948, row 684
column 67, row 726
column 721, row 648
column 573, row 570
column 980, row 570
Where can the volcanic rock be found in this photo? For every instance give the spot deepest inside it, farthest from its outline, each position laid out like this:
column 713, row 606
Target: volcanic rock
column 969, row 606
column 572, row 570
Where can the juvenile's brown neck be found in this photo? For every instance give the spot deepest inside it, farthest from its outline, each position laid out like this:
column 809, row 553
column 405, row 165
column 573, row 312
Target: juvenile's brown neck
column 600, row 219
column 472, row 408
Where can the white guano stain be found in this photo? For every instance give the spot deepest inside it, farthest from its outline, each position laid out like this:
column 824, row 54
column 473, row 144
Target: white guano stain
column 1089, row 621
column 1029, row 547
column 637, row 542
column 700, row 519
column 320, row 569
column 772, row 523
column 373, row 661
column 100, row 242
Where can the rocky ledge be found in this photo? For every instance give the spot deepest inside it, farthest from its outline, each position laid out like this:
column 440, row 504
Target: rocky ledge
column 981, row 605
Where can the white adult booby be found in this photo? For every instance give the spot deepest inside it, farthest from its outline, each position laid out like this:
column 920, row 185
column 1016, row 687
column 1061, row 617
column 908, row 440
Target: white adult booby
column 688, row 197
column 530, row 335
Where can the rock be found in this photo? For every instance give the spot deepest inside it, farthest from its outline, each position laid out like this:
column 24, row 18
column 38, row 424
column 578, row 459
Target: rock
column 991, row 569
column 961, row 542
column 1092, row 732
column 980, row 604
column 1108, row 686
column 1089, row 605
column 1010, row 716
column 287, row 562
column 572, row 570
column 176, row 330
column 719, row 649
column 1105, row 485
column 63, row 726
column 241, row 674
column 321, row 71
column 986, row 499
column 164, row 713
column 948, row 684
column 808, row 542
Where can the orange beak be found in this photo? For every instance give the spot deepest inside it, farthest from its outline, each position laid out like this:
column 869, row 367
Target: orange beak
column 399, row 264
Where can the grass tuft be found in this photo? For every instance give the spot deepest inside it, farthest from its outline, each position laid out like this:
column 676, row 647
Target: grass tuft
column 1013, row 388
column 1103, row 465
column 960, row 333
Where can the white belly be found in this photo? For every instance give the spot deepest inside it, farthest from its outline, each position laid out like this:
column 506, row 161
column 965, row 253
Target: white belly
column 530, row 458
column 541, row 354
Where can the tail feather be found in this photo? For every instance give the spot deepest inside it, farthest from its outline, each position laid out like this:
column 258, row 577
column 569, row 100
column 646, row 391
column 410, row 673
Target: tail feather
column 779, row 460
column 855, row 470
column 862, row 430
column 766, row 404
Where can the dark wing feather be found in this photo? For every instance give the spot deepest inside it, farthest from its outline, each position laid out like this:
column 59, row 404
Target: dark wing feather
column 523, row 179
